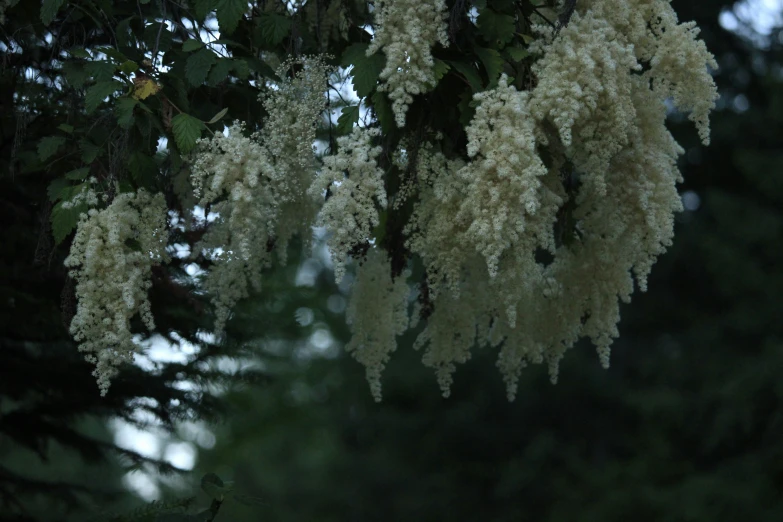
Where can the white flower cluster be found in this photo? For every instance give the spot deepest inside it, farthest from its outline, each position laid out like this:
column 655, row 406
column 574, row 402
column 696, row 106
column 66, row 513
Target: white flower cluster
column 86, row 196
column 236, row 172
column 378, row 313
column 258, row 186
column 407, row 30
column 111, row 259
column 599, row 117
column 355, row 181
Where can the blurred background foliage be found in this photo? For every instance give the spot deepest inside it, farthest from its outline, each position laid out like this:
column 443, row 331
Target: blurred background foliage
column 685, row 426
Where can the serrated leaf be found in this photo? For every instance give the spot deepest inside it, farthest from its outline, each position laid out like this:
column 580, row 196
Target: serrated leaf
column 273, row 27
column 187, row 130
column 219, row 71
column 64, row 220
column 78, row 174
column 191, row 45
column 75, row 74
column 156, row 34
column 113, row 53
column 218, row 116
column 125, row 35
column 79, row 52
column 469, row 73
column 466, row 109
column 48, row 146
column 55, row 188
column 366, row 69
column 49, row 9
column 90, row 151
column 440, row 69
column 383, row 112
column 198, row 65
column 143, row 169
column 493, row 64
column 129, row 66
column 99, row 92
column 526, row 38
column 202, row 8
column 516, row 54
column 496, row 28
column 229, row 13
column 124, row 110
column 66, row 128
column 144, row 87
column 100, row 70
column 242, row 69
column 348, row 118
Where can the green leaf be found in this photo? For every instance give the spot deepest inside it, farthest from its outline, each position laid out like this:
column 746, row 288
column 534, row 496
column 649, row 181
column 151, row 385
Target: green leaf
column 79, row 52
column 100, row 70
column 366, row 69
column 155, row 34
column 218, row 116
column 466, row 109
column 49, row 9
column 124, row 110
column 66, row 128
column 496, row 28
column 90, row 151
column 129, row 66
column 440, row 69
column 516, row 54
column 55, row 188
column 198, row 65
column 469, row 73
column 99, row 92
column 202, row 8
column 273, row 28
column 383, row 112
column 191, row 45
column 187, row 130
column 48, row 146
column 229, row 13
column 493, row 64
column 144, row 169
column 348, row 118
column 75, row 73
column 242, row 69
column 125, row 35
column 219, row 71
column 113, row 53
column 78, row 174
column 64, row 220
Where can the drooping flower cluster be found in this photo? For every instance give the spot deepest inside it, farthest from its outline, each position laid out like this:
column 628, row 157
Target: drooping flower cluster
column 238, row 173
column 111, row 259
column 355, row 182
column 258, row 187
column 603, row 208
column 378, row 313
column 407, row 30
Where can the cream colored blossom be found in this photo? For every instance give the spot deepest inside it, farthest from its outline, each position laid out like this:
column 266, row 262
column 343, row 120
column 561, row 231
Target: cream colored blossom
column 111, row 259
column 355, row 181
column 377, row 313
column 407, row 30
column 600, row 119
column 258, row 186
